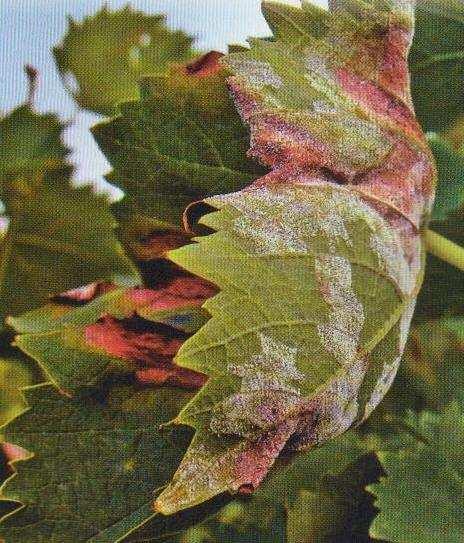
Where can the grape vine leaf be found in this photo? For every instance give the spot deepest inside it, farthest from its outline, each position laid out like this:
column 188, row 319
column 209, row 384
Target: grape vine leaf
column 338, row 509
column 420, row 498
column 431, row 372
column 16, row 372
column 456, row 326
column 437, row 63
column 182, row 141
column 58, row 236
column 319, row 262
column 102, row 58
column 118, row 458
column 450, row 187
column 434, row 362
column 334, row 474
column 30, row 142
column 135, row 331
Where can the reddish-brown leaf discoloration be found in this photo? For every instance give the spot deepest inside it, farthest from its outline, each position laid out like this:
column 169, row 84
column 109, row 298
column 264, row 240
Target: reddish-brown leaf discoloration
column 253, row 464
column 179, row 293
column 171, row 375
column 13, row 453
column 152, row 351
column 139, row 346
column 157, row 244
column 206, row 65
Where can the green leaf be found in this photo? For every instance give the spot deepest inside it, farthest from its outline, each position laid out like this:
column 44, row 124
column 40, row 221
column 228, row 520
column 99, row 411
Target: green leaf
column 58, row 236
column 29, row 143
column 336, row 511
column 323, row 493
column 274, row 329
column 107, row 53
column 317, row 284
column 434, row 362
column 182, row 141
column 420, row 499
column 105, row 485
column 450, row 188
column 437, row 63
column 15, row 373
column 456, row 326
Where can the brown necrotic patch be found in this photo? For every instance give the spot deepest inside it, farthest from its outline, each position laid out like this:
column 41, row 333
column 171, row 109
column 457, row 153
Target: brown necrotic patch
column 148, row 348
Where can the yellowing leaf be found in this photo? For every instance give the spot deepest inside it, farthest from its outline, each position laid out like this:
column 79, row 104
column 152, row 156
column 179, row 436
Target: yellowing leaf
column 319, row 262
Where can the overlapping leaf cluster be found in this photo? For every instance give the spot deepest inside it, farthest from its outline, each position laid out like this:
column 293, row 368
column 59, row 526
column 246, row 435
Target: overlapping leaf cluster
column 91, row 445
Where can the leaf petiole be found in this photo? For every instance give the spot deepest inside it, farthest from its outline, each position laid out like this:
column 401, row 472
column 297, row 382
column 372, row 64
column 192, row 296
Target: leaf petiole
column 436, row 59
column 445, row 249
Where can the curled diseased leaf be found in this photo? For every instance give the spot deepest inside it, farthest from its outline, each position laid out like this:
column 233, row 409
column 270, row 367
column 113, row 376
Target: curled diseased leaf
column 319, row 262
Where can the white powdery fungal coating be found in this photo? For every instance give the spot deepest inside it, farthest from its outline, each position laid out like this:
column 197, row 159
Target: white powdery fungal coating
column 204, row 470
column 390, row 367
column 270, row 237
column 280, row 222
column 393, row 262
column 383, row 385
column 199, row 467
column 267, row 390
column 335, row 408
column 321, row 106
column 258, row 73
column 317, row 65
column 298, row 220
column 214, row 467
column 340, row 334
column 405, row 6
column 354, row 208
column 384, row 242
column 405, row 323
column 273, row 368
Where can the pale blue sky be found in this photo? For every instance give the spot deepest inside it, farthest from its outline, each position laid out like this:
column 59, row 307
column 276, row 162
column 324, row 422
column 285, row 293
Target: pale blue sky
column 29, row 28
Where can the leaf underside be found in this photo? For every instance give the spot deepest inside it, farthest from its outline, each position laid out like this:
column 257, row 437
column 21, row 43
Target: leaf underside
column 319, row 262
